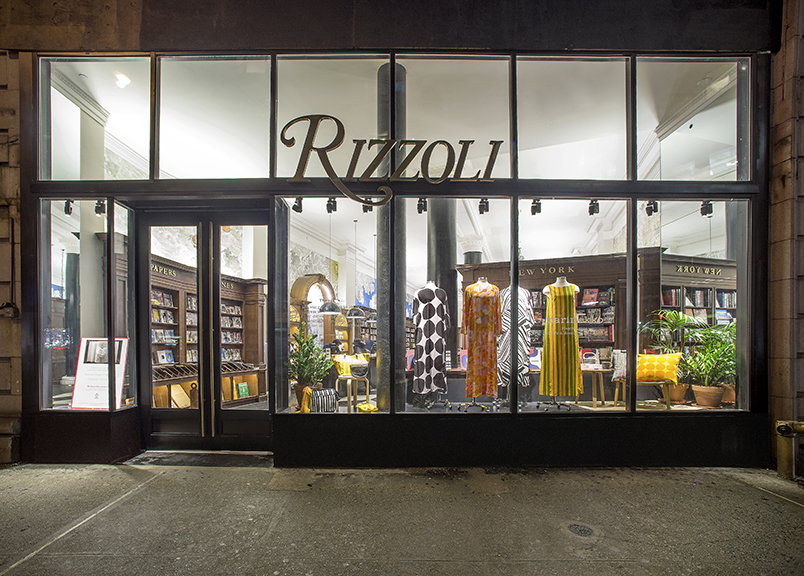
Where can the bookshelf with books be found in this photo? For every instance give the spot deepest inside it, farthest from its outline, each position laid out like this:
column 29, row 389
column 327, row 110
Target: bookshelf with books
column 174, row 328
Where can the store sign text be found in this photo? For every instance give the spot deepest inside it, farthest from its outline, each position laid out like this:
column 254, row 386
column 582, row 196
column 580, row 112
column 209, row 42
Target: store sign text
column 162, row 270
column 699, row 270
column 548, row 270
column 408, row 151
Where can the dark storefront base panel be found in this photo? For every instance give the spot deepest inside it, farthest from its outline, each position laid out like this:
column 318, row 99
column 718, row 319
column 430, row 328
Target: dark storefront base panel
column 739, row 439
column 82, row 437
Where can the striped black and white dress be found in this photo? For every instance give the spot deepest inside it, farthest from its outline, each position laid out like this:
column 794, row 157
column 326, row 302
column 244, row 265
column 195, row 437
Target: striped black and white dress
column 524, row 321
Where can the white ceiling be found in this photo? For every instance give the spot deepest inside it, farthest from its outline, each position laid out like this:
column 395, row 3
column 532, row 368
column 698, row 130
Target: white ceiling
column 215, row 124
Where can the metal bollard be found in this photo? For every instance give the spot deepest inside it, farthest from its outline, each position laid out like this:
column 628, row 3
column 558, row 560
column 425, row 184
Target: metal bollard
column 786, row 431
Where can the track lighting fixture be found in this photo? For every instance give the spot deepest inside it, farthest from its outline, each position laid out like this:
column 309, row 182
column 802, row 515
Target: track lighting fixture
column 297, row 205
column 367, row 208
column 332, row 205
column 68, row 207
column 536, row 207
column 594, row 207
column 100, row 207
column 421, row 206
column 706, row 208
column 652, row 207
column 483, row 207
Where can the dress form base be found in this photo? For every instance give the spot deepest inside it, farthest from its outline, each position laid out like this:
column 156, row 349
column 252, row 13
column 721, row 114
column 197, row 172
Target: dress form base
column 473, row 403
column 553, row 402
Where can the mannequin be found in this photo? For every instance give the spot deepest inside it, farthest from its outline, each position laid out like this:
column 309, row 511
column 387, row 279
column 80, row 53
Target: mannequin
column 482, row 322
column 431, row 319
column 561, row 357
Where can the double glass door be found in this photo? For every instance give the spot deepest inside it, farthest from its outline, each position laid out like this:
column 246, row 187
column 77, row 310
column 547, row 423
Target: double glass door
column 206, row 321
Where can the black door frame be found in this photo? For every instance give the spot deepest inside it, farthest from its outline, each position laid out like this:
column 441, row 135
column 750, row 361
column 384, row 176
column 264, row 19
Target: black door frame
column 202, row 428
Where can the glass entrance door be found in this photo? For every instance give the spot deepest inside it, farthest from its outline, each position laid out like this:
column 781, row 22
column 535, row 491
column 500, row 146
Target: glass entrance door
column 206, row 316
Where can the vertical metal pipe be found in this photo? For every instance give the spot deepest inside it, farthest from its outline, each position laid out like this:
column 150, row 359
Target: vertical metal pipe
column 442, row 253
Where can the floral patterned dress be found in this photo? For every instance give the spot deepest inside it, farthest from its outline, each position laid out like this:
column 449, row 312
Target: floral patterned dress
column 482, row 323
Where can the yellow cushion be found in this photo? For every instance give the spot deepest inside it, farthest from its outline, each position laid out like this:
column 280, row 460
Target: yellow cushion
column 344, row 361
column 658, row 367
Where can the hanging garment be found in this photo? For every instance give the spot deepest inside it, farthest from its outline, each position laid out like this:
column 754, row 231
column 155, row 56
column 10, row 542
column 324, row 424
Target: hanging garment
column 482, row 323
column 561, row 358
column 431, row 319
column 524, row 321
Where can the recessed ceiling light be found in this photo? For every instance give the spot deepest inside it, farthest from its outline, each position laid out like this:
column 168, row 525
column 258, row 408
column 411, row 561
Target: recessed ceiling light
column 122, row 80
column 82, row 75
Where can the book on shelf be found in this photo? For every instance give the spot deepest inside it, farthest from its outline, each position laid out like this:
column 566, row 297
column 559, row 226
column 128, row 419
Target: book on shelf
column 155, row 316
column 604, row 297
column 179, row 397
column 589, row 297
column 723, row 316
column 700, row 314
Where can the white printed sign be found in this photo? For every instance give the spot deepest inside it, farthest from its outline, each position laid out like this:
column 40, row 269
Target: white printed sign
column 91, row 390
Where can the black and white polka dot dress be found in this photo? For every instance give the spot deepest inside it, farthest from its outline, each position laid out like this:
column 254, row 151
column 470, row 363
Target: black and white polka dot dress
column 431, row 319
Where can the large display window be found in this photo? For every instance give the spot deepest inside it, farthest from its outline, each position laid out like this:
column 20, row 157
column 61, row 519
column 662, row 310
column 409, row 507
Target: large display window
column 84, row 366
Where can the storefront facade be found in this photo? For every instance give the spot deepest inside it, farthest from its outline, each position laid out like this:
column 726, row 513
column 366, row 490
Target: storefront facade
column 202, row 213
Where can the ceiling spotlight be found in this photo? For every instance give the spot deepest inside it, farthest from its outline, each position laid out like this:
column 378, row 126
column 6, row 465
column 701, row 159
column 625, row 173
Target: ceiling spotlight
column 421, row 205
column 297, row 205
column 652, row 207
column 706, row 208
column 100, row 207
column 332, row 206
column 367, row 208
column 536, row 207
column 594, row 207
column 483, row 207
column 68, row 207
column 122, row 80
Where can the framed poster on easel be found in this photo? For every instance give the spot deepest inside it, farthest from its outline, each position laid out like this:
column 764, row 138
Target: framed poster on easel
column 91, row 390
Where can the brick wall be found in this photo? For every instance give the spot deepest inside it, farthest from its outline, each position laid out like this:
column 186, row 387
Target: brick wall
column 10, row 344
column 786, row 232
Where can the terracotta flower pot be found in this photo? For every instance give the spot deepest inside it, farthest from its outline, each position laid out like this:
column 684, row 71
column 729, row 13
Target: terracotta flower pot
column 729, row 394
column 709, row 396
column 677, row 393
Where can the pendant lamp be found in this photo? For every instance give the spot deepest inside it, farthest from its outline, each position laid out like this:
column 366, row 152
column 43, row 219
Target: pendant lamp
column 330, row 308
column 354, row 312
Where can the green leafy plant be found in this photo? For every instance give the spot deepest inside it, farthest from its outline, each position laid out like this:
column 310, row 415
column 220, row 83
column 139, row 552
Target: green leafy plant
column 307, row 363
column 711, row 358
column 708, row 352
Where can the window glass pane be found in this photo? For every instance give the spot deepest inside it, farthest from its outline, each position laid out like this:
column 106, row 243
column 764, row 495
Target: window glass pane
column 75, row 357
column 244, row 273
column 95, row 118
column 330, row 308
column 342, row 87
column 457, row 273
column 691, row 121
column 572, row 267
column 693, row 313
column 455, row 99
column 571, row 118
column 174, row 317
column 125, row 306
column 215, row 117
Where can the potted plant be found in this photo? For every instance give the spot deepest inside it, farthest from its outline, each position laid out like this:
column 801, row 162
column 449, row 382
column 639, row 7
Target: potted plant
column 670, row 331
column 307, row 363
column 711, row 362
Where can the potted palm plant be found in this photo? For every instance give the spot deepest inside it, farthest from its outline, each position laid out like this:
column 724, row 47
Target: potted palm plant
column 711, row 362
column 307, row 363
column 670, row 331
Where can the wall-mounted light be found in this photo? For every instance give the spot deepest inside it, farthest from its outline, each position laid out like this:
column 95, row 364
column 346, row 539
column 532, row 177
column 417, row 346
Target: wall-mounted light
column 68, row 207
column 332, row 206
column 297, row 205
column 100, row 207
column 483, row 207
column 706, row 208
column 536, row 207
column 594, row 207
column 652, row 207
column 421, row 205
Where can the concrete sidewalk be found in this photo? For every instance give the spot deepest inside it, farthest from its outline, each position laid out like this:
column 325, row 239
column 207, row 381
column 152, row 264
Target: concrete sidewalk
column 200, row 514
